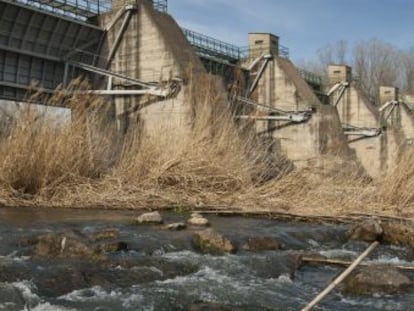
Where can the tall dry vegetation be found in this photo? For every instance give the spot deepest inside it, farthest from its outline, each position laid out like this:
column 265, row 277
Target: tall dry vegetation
column 210, row 161
column 39, row 154
column 398, row 188
column 80, row 163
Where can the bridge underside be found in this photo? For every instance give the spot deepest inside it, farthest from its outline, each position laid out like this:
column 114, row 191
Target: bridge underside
column 35, row 45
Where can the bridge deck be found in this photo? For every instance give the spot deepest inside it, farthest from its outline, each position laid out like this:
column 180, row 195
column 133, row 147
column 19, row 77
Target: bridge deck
column 79, row 9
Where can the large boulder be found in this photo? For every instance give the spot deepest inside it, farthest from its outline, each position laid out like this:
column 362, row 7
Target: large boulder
column 66, row 246
column 150, row 218
column 74, row 245
column 210, row 241
column 376, row 280
column 262, row 244
column 369, row 230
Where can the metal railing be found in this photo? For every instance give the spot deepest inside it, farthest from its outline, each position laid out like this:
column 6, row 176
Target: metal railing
column 253, row 52
column 161, row 5
column 209, row 46
column 310, row 77
column 79, row 9
column 83, row 9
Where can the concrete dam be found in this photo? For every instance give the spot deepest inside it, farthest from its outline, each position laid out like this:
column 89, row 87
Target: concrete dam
column 135, row 54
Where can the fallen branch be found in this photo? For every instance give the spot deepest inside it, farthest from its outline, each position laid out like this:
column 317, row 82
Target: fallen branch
column 341, row 277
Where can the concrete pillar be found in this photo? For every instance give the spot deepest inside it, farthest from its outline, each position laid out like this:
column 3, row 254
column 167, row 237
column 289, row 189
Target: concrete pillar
column 339, row 73
column 388, row 93
column 260, row 43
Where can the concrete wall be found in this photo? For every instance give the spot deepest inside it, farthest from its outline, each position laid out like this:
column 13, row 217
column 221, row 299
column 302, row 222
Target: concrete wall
column 401, row 118
column 378, row 155
column 153, row 49
column 260, row 43
column 388, row 93
column 283, row 87
column 355, row 109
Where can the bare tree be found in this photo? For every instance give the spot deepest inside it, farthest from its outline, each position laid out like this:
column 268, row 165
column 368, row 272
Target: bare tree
column 376, row 63
column 408, row 66
column 336, row 53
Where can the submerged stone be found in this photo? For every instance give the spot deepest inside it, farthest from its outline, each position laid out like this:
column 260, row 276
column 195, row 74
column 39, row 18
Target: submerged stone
column 106, row 234
column 262, row 244
column 66, row 246
column 61, row 281
column 376, row 280
column 150, row 218
column 210, row 241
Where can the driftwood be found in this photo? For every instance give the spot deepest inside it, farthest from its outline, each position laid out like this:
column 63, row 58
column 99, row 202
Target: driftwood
column 339, row 262
column 341, row 277
column 281, row 215
column 384, row 217
column 285, row 216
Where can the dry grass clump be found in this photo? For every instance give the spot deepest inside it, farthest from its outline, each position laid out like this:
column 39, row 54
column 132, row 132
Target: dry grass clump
column 205, row 160
column 40, row 152
column 397, row 188
column 200, row 158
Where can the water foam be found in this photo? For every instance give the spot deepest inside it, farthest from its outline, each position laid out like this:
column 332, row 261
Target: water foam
column 338, row 253
column 95, row 293
column 48, row 307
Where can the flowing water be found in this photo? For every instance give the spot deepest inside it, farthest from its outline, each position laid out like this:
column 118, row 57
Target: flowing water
column 159, row 270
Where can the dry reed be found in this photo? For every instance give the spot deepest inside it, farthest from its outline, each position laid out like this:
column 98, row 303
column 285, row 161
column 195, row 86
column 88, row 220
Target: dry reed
column 203, row 159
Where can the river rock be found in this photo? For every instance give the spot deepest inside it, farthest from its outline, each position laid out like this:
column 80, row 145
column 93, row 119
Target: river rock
column 67, row 245
column 376, row 280
column 176, row 226
column 150, row 218
column 198, row 220
column 63, row 280
column 210, row 241
column 369, row 231
column 110, row 247
column 262, row 244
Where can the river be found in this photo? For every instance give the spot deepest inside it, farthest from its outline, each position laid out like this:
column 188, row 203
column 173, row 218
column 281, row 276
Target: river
column 159, row 270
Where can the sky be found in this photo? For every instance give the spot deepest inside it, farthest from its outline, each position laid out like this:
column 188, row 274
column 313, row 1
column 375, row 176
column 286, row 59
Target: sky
column 303, row 26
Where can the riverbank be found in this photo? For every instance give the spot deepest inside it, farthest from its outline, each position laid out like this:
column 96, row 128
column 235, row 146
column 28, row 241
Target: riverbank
column 218, row 165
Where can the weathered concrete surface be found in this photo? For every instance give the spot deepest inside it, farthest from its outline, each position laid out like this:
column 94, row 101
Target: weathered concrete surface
column 378, row 155
column 401, row 118
column 153, row 49
column 283, row 87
